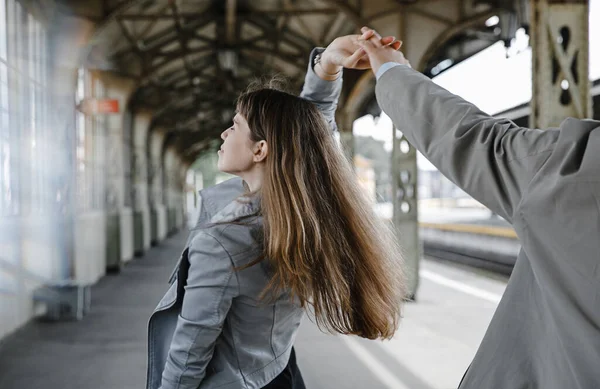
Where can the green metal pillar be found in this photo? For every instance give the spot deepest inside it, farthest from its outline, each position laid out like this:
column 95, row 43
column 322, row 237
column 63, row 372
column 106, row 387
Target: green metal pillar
column 404, row 195
column 114, row 194
column 347, row 142
column 404, row 200
column 560, row 49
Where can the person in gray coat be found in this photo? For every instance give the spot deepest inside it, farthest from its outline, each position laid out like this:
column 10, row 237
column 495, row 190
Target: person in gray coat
column 545, row 333
column 291, row 233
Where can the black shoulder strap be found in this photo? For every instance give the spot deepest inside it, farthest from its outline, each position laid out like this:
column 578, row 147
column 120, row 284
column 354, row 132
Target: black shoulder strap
column 182, row 274
column 173, row 275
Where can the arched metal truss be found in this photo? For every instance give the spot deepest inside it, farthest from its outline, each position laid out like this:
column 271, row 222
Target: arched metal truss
column 191, row 58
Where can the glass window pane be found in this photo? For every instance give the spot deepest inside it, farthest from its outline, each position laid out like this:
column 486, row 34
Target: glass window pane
column 38, row 51
column 18, row 21
column 3, row 73
column 10, row 30
column 30, row 46
column 3, row 30
column 3, row 87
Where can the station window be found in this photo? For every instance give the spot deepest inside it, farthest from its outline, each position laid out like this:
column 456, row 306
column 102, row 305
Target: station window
column 24, row 103
column 5, row 171
column 37, row 113
column 10, row 12
column 90, row 139
column 82, row 144
column 99, row 141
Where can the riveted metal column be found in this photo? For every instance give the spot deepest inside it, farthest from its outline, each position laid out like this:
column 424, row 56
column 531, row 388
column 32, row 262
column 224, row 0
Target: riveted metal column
column 114, row 192
column 158, row 213
column 347, row 141
column 560, row 47
column 119, row 214
column 141, row 206
column 404, row 199
column 345, row 120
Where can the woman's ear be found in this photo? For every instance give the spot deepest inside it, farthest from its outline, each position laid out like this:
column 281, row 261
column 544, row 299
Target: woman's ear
column 261, row 150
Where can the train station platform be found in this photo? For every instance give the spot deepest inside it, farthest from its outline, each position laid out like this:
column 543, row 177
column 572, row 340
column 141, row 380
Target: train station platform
column 473, row 236
column 464, row 231
column 436, row 341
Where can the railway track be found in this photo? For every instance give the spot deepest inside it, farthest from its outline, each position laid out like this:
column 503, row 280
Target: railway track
column 501, row 264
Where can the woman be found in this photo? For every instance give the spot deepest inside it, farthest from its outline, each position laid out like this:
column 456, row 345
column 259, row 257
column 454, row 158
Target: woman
column 301, row 236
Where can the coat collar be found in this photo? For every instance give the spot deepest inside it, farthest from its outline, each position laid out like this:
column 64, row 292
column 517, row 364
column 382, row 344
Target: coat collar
column 221, row 203
column 243, row 206
column 226, row 202
column 215, row 198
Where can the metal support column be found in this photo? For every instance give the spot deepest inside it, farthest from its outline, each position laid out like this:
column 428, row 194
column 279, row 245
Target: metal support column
column 347, row 141
column 139, row 162
column 404, row 199
column 115, row 192
column 560, row 47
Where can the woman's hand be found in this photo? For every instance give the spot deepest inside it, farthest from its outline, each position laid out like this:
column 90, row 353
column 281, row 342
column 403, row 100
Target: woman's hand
column 346, row 52
column 379, row 54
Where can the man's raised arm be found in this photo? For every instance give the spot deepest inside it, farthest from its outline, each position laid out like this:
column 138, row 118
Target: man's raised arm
column 492, row 159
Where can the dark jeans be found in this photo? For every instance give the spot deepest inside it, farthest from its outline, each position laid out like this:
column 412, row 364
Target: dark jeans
column 289, row 378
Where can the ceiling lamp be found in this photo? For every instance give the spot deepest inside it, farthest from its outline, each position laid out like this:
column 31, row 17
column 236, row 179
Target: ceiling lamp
column 228, row 59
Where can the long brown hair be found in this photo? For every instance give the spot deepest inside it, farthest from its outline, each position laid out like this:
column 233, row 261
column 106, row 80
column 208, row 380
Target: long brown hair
column 321, row 236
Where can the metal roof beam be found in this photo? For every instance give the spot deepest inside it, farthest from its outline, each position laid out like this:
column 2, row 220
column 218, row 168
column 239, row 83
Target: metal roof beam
column 230, row 20
column 242, row 13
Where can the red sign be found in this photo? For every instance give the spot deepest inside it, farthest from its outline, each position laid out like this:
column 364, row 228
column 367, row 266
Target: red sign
column 98, row 106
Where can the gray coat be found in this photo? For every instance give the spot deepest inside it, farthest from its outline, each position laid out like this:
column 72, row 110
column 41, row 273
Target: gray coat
column 545, row 333
column 210, row 330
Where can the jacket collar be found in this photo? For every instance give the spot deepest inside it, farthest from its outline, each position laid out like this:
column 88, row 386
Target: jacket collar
column 243, row 206
column 226, row 202
column 220, row 203
column 215, row 198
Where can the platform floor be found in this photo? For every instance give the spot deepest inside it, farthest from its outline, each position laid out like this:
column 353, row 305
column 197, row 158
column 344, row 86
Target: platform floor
column 107, row 349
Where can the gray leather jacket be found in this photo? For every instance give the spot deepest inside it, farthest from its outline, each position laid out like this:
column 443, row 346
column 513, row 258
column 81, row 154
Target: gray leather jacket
column 210, row 330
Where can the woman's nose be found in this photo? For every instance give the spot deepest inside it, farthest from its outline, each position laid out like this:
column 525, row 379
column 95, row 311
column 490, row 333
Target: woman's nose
column 224, row 135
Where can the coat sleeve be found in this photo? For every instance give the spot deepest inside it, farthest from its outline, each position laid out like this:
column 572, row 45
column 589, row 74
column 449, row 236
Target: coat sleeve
column 324, row 94
column 492, row 159
column 210, row 288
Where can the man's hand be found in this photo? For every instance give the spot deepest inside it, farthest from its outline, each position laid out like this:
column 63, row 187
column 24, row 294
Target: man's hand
column 346, row 52
column 379, row 53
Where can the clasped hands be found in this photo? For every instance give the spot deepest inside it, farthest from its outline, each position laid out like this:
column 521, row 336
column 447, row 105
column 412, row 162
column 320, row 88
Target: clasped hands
column 365, row 51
